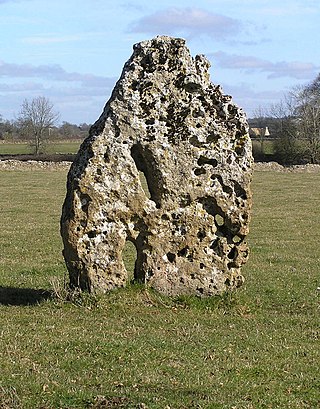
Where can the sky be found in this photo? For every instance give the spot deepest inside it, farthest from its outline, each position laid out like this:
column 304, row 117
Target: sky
column 72, row 52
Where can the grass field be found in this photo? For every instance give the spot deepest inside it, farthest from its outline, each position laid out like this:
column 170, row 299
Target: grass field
column 7, row 148
column 257, row 348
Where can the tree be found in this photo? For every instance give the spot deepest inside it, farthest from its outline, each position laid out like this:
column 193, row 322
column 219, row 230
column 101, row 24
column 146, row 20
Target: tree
column 298, row 124
column 286, row 146
column 7, row 128
column 69, row 131
column 36, row 118
column 308, row 118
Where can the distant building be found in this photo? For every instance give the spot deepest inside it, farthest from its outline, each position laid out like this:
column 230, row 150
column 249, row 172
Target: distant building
column 259, row 132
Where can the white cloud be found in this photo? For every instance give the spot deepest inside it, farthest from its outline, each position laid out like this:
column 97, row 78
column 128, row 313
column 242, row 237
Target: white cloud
column 294, row 69
column 189, row 22
column 21, row 88
column 54, row 73
column 19, row 81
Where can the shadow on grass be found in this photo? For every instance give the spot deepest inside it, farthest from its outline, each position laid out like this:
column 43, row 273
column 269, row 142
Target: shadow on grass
column 22, row 296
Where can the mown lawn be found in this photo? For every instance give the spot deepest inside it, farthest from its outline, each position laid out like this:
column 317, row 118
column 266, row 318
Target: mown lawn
column 257, row 348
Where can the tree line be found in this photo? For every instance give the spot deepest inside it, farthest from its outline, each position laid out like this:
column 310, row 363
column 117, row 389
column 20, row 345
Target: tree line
column 37, row 124
column 294, row 123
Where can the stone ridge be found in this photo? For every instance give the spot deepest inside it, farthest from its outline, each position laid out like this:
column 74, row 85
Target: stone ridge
column 166, row 121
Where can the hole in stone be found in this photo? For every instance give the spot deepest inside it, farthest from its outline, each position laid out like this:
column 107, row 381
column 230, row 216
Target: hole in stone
column 145, row 163
column 217, row 247
column 129, row 256
column 217, row 177
column 195, row 141
column 150, row 273
column 192, row 276
column 239, row 191
column 199, row 171
column 107, row 156
column 185, row 200
column 202, row 266
column 227, row 189
column 171, row 257
column 201, row 235
column 182, row 230
column 183, row 252
column 201, row 98
column 190, row 257
column 134, row 85
column 150, row 121
column 200, row 290
column 227, row 282
column 214, row 245
column 99, row 171
column 213, row 137
column 85, row 200
column 239, row 150
column 210, row 205
column 91, row 234
column 207, row 161
column 232, row 253
column 165, row 217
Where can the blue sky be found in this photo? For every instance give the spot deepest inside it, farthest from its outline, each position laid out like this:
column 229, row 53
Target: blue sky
column 72, row 52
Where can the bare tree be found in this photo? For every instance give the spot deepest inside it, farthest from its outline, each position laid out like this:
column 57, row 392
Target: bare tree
column 298, row 124
column 286, row 146
column 37, row 117
column 307, row 110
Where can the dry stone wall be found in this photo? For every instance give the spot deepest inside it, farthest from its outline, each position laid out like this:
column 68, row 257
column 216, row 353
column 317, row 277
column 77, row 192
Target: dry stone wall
column 167, row 121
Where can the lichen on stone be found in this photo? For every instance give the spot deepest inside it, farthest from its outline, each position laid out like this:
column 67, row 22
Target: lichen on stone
column 166, row 120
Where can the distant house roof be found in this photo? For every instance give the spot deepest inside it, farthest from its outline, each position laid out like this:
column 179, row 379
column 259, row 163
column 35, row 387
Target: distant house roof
column 257, row 132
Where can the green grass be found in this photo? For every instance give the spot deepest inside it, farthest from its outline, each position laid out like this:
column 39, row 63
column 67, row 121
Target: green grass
column 257, row 348
column 268, row 146
column 52, row 147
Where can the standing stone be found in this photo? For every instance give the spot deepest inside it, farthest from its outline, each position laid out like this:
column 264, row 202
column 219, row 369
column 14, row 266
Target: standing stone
column 167, row 120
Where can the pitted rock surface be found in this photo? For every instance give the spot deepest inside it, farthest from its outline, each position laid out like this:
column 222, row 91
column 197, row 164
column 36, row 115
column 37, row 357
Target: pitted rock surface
column 167, row 120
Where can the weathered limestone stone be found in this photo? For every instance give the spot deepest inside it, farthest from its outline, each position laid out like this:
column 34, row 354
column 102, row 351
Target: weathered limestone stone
column 165, row 119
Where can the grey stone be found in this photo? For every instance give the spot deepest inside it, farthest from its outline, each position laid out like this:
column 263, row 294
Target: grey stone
column 167, row 120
